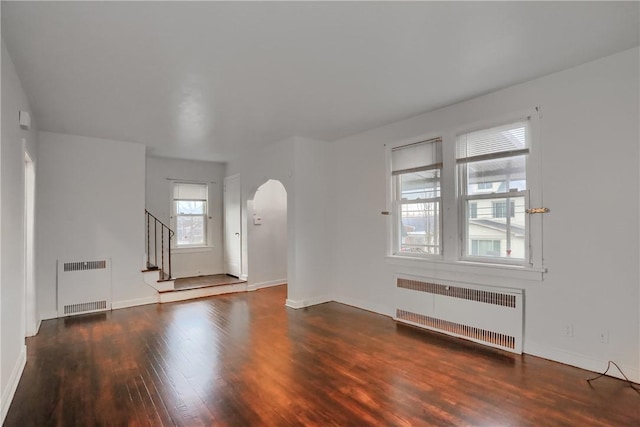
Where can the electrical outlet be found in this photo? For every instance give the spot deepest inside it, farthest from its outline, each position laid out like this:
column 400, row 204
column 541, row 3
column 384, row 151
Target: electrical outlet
column 603, row 336
column 568, row 330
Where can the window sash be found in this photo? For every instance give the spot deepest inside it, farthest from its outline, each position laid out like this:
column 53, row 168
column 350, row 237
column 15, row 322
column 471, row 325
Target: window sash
column 433, row 250
column 499, row 142
column 202, row 242
column 190, row 192
column 465, row 239
column 491, row 156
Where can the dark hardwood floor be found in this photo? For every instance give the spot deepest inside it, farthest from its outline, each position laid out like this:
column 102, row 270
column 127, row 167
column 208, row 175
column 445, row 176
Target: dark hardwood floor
column 246, row 360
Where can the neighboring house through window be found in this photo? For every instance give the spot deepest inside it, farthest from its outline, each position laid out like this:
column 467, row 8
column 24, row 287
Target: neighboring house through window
column 473, row 210
column 189, row 214
column 485, row 247
column 500, row 209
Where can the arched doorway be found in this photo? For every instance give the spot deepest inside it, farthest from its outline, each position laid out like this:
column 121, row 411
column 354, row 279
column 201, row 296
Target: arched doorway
column 267, row 236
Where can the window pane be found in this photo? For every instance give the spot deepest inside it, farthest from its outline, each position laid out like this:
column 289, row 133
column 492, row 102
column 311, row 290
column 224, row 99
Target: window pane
column 473, row 210
column 485, row 248
column 420, row 228
column 496, row 175
column 420, row 185
column 494, row 222
column 190, row 230
column 190, row 207
column 499, row 209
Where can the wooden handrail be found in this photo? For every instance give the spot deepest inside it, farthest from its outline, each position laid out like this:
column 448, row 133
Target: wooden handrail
column 165, row 238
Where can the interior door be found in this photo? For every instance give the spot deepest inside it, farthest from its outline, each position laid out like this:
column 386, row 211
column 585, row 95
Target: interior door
column 232, row 229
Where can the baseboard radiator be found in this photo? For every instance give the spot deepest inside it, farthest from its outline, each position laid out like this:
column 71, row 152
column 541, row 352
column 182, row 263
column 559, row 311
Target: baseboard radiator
column 83, row 286
column 484, row 314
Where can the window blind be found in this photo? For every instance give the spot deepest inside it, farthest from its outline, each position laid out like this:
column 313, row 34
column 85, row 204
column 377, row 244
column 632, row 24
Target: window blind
column 416, row 157
column 184, row 191
column 500, row 141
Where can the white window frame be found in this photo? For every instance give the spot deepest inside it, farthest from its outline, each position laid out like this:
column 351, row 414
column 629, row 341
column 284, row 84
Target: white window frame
column 174, row 217
column 397, row 204
column 464, row 198
column 452, row 237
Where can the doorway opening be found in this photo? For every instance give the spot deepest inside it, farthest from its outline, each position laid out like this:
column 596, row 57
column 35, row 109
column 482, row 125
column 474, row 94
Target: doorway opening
column 31, row 323
column 232, row 201
column 267, row 236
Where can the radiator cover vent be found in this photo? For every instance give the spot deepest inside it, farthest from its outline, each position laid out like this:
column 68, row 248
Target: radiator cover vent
column 85, row 307
column 488, row 297
column 84, row 265
column 484, row 314
column 84, row 286
column 489, row 337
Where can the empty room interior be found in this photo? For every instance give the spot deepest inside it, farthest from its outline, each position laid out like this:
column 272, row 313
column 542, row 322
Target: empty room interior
column 320, row 213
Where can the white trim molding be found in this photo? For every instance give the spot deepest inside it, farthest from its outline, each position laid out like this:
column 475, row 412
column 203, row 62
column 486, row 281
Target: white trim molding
column 361, row 305
column 267, row 284
column 12, row 384
column 297, row 304
column 580, row 361
column 116, row 305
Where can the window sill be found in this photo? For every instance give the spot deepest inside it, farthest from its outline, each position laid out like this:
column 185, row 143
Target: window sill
column 192, row 249
column 469, row 267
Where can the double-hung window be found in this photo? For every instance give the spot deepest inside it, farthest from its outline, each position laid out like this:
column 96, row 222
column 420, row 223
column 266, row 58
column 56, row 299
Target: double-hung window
column 416, row 171
column 189, row 208
column 493, row 193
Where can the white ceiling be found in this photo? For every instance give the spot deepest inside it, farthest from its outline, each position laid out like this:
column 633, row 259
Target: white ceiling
column 211, row 80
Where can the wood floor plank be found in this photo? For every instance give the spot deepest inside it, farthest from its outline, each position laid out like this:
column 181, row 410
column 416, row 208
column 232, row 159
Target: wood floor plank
column 247, row 360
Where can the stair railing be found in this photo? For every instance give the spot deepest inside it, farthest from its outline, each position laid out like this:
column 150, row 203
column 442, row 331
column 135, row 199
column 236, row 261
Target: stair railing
column 158, row 234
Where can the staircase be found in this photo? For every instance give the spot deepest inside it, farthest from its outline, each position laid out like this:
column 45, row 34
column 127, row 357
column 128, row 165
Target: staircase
column 157, row 273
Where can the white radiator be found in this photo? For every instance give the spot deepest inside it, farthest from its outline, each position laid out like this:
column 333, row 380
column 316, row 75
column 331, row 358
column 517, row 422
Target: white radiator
column 83, row 287
column 484, row 314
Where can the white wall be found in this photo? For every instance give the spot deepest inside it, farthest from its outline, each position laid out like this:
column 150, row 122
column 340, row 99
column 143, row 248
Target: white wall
column 274, row 162
column 12, row 277
column 160, row 173
column 589, row 138
column 91, row 200
column 309, row 214
column 267, row 241
column 300, row 165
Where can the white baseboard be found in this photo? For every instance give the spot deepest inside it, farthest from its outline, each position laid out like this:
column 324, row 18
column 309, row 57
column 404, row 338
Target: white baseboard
column 307, row 302
column 12, row 384
column 580, row 361
column 243, row 277
column 37, row 329
column 256, row 286
column 353, row 302
column 153, row 299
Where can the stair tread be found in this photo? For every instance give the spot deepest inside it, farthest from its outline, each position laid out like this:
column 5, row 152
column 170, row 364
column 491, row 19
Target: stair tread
column 204, row 287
